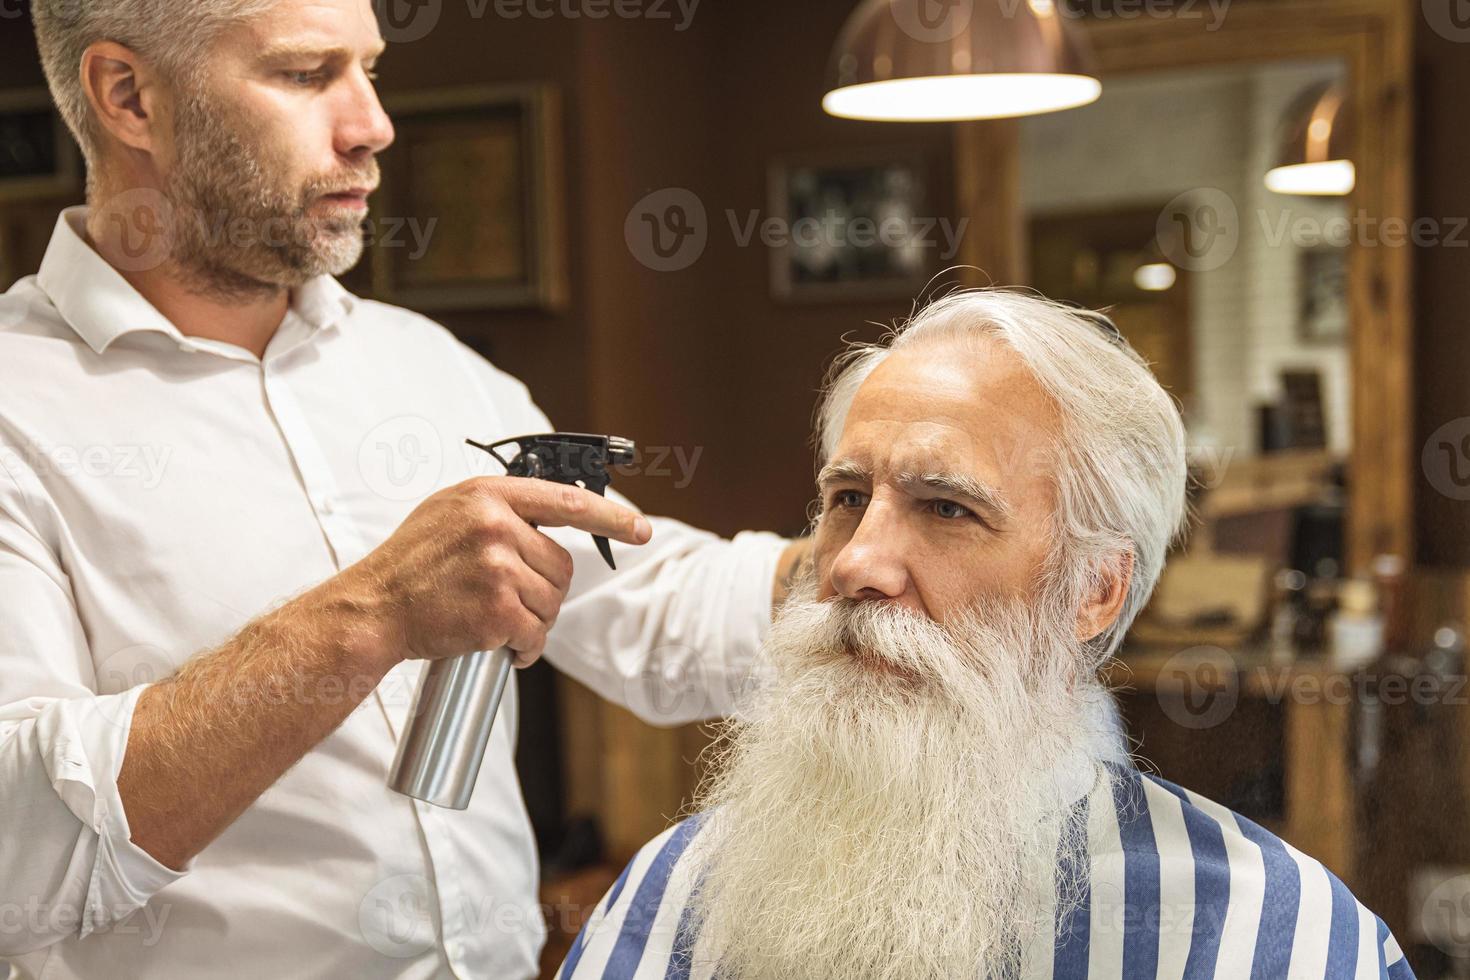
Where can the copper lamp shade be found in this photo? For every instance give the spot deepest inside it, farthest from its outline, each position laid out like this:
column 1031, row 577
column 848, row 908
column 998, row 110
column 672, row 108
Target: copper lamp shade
column 952, row 60
column 1315, row 144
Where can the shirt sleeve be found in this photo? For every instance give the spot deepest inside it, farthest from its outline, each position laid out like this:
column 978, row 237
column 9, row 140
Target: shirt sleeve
column 67, row 861
column 672, row 634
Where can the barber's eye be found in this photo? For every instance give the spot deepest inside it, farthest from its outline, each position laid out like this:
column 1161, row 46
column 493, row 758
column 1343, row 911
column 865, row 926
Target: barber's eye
column 303, row 77
column 949, row 510
column 849, row 498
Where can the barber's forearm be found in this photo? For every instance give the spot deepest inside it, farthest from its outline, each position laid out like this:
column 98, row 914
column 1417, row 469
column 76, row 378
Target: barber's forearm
column 208, row 740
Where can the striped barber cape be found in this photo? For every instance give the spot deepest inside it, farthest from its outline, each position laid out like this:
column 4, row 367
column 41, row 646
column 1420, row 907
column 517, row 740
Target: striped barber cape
column 1179, row 887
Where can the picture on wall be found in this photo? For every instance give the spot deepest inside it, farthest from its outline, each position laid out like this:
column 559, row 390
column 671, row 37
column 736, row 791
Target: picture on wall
column 849, row 226
column 1323, row 295
column 469, row 212
column 38, row 157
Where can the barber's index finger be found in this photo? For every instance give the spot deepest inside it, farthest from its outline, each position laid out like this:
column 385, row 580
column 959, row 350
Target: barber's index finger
column 559, row 505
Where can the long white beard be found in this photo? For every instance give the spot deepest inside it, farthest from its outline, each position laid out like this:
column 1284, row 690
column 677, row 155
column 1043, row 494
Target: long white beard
column 893, row 805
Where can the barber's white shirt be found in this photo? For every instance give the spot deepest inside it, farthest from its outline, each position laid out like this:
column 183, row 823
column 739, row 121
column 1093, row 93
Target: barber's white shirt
column 157, row 492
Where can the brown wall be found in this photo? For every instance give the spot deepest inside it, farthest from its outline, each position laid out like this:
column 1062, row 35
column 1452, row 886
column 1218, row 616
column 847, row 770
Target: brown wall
column 1442, row 282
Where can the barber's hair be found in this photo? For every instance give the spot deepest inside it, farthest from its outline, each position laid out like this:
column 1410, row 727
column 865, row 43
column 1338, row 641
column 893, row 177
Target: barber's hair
column 1121, row 474
column 174, row 36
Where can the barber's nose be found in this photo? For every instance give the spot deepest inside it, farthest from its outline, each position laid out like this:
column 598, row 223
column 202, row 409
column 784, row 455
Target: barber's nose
column 871, row 565
column 365, row 128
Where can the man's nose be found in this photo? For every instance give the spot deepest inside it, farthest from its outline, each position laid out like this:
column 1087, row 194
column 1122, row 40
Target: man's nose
column 365, row 128
column 872, row 565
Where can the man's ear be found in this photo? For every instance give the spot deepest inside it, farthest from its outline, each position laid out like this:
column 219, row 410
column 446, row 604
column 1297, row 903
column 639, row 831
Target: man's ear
column 124, row 94
column 1101, row 609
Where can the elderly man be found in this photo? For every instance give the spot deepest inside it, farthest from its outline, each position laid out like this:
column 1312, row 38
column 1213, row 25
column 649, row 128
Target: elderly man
column 920, row 790
column 235, row 520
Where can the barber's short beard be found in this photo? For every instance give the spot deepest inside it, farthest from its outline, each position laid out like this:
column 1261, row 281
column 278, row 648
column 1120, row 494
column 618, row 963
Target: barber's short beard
column 895, row 804
column 239, row 228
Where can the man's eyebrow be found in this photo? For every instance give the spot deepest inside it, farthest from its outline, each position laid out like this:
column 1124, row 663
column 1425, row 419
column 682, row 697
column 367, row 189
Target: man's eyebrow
column 844, row 471
column 286, row 52
column 986, row 497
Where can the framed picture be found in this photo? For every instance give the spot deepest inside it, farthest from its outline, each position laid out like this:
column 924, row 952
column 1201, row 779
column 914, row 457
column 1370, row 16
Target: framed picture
column 850, row 226
column 37, row 155
column 469, row 215
column 1322, row 298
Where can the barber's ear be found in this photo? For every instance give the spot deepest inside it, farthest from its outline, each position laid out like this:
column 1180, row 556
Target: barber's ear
column 124, row 94
column 1101, row 609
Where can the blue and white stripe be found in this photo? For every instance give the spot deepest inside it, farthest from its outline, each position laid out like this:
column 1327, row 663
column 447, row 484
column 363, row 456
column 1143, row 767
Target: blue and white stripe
column 1178, row 887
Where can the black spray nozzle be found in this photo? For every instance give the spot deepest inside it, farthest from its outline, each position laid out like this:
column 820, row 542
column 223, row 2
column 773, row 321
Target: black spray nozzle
column 566, row 457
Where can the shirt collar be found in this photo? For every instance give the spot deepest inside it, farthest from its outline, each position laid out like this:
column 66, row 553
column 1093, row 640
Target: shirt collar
column 100, row 305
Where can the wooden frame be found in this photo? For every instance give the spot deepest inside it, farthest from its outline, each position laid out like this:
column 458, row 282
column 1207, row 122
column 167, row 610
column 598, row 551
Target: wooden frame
column 1374, row 39
column 543, row 283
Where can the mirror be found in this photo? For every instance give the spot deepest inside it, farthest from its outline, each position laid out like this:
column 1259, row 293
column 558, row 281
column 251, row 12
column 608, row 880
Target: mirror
column 1153, row 202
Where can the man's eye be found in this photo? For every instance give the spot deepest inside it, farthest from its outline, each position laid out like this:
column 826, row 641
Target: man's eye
column 303, row 77
column 949, row 510
column 849, row 498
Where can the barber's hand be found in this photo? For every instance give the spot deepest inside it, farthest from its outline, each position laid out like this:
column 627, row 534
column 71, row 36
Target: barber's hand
column 466, row 571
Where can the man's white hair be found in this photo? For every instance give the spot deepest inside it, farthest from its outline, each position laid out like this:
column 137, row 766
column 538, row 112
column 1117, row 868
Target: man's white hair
column 175, row 37
column 1121, row 479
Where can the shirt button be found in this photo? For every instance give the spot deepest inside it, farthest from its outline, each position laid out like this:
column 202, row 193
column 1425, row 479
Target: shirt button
column 327, row 505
